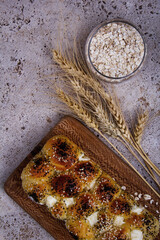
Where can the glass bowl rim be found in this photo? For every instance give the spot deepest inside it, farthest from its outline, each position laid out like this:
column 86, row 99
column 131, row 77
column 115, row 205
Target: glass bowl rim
column 87, row 48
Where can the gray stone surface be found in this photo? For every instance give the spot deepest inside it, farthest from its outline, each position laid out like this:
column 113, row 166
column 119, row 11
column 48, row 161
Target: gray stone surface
column 29, row 30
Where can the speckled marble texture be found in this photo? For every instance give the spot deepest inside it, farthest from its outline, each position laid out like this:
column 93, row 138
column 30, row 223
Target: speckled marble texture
column 29, row 30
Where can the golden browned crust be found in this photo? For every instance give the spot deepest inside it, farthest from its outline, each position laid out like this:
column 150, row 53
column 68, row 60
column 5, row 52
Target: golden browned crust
column 87, row 172
column 61, row 152
column 106, row 189
column 65, row 185
column 76, row 190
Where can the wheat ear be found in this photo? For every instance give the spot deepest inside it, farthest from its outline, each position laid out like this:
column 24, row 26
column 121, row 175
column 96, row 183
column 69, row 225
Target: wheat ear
column 101, row 115
column 67, row 65
column 81, row 112
column 141, row 124
column 86, row 78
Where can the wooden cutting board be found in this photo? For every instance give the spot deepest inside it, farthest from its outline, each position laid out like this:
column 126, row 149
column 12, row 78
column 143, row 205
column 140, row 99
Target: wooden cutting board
column 98, row 152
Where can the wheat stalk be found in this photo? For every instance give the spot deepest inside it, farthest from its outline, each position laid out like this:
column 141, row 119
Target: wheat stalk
column 86, row 78
column 129, row 164
column 90, row 121
column 102, row 118
column 81, row 112
column 138, row 132
column 76, row 71
column 101, row 115
column 149, row 170
column 67, row 65
column 105, row 125
column 139, row 128
column 119, row 120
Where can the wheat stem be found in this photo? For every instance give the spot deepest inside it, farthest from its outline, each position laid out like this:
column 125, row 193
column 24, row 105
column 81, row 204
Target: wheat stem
column 122, row 125
column 129, row 163
column 147, row 170
column 103, row 118
column 76, row 71
column 148, row 166
column 138, row 131
column 87, row 118
column 147, row 160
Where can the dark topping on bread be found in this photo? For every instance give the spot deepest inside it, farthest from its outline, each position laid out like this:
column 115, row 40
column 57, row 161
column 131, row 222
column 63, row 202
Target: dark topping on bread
column 62, row 154
column 120, row 206
column 121, row 235
column 74, row 237
column 103, row 222
column 105, row 191
column 40, row 168
column 38, row 162
column 62, row 148
column 85, row 205
column 65, row 185
column 85, row 169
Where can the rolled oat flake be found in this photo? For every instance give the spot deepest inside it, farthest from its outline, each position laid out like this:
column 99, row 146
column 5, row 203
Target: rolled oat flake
column 116, row 50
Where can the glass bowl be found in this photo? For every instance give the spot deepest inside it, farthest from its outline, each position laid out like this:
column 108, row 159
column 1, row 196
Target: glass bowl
column 96, row 69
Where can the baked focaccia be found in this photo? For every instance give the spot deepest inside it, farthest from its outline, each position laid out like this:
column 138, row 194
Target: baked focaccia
column 75, row 189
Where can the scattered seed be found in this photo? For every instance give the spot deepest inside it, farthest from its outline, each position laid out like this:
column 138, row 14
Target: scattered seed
column 147, row 197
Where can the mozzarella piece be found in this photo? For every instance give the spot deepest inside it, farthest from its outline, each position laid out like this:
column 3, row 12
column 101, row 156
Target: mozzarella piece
column 50, row 201
column 92, row 219
column 137, row 210
column 82, row 157
column 91, row 185
column 69, row 201
column 136, row 235
column 118, row 221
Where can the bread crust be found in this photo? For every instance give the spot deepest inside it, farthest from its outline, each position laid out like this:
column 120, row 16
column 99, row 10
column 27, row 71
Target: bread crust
column 76, row 190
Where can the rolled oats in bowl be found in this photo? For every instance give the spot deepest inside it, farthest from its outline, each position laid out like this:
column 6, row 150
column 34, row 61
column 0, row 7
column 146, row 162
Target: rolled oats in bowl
column 115, row 50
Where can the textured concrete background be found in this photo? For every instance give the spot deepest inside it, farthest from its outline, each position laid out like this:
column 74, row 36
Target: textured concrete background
column 29, row 29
